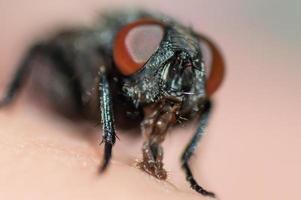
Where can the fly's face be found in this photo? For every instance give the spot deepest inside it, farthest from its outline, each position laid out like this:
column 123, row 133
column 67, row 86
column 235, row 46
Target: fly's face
column 184, row 81
column 160, row 61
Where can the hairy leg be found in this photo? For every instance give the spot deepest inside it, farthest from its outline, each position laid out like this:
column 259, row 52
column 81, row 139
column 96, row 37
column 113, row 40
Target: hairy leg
column 107, row 118
column 190, row 149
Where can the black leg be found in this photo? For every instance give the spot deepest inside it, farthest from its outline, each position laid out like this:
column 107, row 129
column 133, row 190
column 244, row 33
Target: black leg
column 53, row 55
column 21, row 75
column 191, row 148
column 107, row 118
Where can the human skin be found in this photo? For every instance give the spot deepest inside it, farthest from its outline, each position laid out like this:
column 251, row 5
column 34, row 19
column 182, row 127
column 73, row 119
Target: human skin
column 251, row 149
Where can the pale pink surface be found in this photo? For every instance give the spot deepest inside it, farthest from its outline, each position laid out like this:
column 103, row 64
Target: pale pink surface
column 251, row 151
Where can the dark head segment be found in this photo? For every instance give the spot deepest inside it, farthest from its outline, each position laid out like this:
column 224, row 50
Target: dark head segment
column 161, row 61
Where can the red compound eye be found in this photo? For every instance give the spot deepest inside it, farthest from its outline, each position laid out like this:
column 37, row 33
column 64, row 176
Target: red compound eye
column 135, row 43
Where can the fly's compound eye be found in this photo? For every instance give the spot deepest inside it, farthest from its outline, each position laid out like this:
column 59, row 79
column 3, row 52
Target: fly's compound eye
column 135, row 43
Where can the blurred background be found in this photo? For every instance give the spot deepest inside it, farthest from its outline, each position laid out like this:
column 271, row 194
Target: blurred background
column 253, row 146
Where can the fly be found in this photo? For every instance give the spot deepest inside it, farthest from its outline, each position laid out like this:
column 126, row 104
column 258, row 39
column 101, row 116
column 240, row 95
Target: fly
column 148, row 67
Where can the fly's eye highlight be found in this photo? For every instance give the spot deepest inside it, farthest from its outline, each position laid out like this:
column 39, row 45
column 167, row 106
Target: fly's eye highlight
column 135, row 43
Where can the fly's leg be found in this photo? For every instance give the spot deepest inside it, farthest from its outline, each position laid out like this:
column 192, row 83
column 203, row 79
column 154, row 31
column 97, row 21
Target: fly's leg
column 190, row 149
column 55, row 56
column 107, row 118
column 21, row 74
